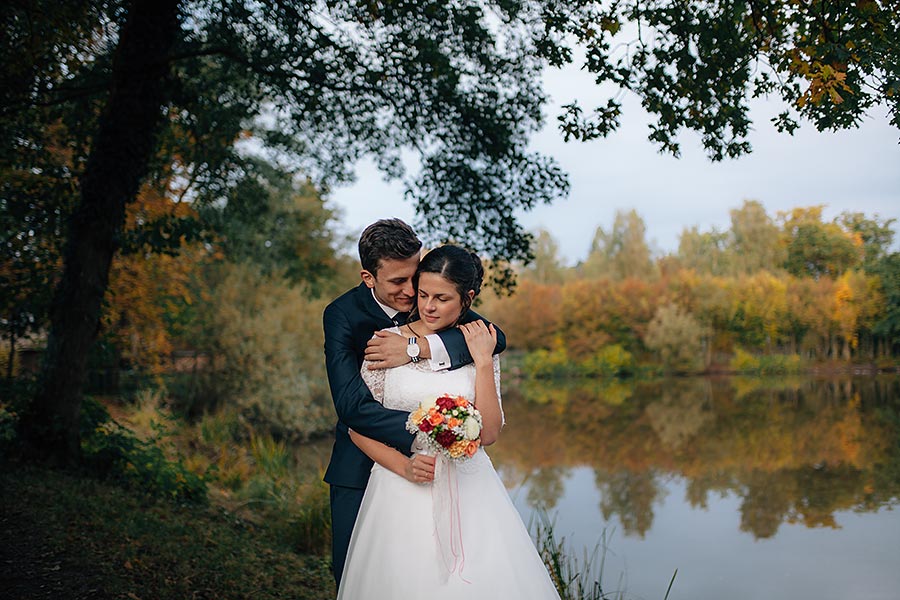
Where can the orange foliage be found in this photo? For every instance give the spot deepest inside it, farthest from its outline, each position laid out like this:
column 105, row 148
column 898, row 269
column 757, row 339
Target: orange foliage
column 530, row 317
column 599, row 312
column 146, row 288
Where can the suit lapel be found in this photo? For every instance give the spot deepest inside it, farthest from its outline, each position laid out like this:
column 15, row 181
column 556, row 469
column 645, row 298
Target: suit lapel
column 367, row 304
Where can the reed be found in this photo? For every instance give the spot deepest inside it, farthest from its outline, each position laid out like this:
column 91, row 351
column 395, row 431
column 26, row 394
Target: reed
column 577, row 578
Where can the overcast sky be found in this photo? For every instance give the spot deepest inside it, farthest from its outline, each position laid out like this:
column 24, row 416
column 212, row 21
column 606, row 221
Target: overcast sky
column 857, row 170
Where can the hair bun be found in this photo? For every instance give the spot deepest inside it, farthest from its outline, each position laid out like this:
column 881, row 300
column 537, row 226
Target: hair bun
column 479, row 272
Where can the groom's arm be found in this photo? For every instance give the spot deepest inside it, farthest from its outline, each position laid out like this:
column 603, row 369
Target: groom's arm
column 389, row 349
column 353, row 401
column 456, row 346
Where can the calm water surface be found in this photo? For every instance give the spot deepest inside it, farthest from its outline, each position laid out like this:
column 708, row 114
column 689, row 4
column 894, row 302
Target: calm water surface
column 752, row 489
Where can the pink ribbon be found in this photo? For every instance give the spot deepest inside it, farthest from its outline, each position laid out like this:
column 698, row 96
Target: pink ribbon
column 448, row 518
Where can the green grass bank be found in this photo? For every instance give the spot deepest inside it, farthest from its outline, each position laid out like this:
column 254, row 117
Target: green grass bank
column 67, row 535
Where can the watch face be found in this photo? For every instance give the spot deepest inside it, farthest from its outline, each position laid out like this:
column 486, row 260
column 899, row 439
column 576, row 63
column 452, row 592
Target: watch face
column 412, row 350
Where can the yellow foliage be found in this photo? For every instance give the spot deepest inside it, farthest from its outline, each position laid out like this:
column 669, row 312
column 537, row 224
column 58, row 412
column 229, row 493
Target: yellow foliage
column 145, row 289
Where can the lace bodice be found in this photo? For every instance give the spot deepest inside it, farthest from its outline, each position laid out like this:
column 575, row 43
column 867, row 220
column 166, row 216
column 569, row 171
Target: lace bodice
column 404, row 387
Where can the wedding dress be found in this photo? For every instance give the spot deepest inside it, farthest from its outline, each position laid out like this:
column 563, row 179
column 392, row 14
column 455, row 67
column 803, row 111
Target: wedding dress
column 458, row 538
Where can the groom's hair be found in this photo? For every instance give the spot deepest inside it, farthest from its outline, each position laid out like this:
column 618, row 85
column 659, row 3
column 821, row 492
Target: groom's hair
column 386, row 239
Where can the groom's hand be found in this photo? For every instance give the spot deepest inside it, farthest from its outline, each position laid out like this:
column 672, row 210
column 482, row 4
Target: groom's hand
column 387, row 350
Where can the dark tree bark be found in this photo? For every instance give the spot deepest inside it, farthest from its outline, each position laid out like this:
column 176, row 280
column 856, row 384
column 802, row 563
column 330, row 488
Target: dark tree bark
column 12, row 356
column 118, row 161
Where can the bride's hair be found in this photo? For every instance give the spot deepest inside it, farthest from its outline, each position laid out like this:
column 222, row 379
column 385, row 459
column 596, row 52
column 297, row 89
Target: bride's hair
column 457, row 265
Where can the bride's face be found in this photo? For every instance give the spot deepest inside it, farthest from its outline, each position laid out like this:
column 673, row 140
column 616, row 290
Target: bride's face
column 438, row 301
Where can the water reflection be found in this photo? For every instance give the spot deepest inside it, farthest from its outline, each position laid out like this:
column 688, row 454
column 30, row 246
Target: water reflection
column 791, row 450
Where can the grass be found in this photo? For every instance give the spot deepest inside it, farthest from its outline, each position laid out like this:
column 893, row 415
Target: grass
column 574, row 578
column 97, row 539
column 250, row 473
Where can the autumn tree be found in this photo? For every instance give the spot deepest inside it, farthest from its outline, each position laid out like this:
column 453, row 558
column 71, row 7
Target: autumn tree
column 815, row 247
column 531, row 316
column 547, row 265
column 696, row 65
column 755, row 239
column 888, row 326
column 456, row 84
column 705, row 252
column 622, row 251
column 334, row 84
column 596, row 313
column 279, row 221
column 149, row 289
column 876, row 236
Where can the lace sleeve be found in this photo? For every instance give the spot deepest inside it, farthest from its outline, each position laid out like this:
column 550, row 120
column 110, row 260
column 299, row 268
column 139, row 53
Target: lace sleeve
column 497, row 385
column 374, row 380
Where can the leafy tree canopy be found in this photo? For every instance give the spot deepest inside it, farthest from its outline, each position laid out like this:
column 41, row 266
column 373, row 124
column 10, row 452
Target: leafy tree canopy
column 696, row 64
column 453, row 88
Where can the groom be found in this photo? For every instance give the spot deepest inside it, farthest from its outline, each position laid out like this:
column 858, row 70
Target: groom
column 389, row 253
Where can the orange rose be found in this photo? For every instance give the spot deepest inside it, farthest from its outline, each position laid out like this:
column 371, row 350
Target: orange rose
column 472, row 448
column 460, row 401
column 435, row 418
column 451, row 422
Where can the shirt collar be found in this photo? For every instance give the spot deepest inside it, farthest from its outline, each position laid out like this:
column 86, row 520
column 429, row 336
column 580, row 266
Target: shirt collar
column 390, row 312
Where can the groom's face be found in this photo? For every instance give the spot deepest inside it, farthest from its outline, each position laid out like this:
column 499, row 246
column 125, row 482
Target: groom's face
column 392, row 283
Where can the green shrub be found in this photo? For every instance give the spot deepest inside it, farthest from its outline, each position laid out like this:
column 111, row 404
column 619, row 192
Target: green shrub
column 678, row 338
column 270, row 455
column 744, row 362
column 268, row 336
column 110, row 449
column 765, row 364
column 8, row 423
column 609, row 361
column 308, row 529
column 14, row 395
column 546, row 364
column 221, row 427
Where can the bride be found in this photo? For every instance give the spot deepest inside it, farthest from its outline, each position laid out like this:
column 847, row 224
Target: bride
column 460, row 536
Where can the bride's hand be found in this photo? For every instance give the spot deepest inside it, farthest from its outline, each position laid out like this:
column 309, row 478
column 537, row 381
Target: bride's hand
column 420, row 469
column 481, row 338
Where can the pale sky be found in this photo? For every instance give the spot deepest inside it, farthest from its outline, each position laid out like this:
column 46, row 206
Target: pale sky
column 856, row 170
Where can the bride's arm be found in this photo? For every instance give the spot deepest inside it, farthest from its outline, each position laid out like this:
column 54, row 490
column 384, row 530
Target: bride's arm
column 481, row 340
column 417, row 468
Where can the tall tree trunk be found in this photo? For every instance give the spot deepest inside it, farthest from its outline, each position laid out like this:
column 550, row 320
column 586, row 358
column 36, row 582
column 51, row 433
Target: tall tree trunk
column 125, row 141
column 12, row 356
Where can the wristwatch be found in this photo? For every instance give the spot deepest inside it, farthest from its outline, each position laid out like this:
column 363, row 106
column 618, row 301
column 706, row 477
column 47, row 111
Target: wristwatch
column 412, row 350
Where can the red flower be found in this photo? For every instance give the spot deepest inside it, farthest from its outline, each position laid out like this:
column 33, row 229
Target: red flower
column 445, row 438
column 425, row 425
column 445, row 403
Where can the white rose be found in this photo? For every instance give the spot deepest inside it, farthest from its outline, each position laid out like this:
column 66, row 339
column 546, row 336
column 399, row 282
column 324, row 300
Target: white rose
column 473, row 428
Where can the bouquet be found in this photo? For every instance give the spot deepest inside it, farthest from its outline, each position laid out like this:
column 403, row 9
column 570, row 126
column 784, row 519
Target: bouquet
column 449, row 425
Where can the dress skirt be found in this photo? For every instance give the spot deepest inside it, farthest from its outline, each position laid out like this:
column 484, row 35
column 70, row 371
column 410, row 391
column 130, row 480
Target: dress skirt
column 396, row 552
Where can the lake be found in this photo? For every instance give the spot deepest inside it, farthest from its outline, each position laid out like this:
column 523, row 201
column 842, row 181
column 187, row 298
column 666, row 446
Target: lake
column 751, row 488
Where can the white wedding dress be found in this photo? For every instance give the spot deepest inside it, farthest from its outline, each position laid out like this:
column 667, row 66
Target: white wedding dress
column 459, row 538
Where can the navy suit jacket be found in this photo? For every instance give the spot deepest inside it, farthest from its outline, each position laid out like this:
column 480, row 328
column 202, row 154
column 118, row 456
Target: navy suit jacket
column 349, row 322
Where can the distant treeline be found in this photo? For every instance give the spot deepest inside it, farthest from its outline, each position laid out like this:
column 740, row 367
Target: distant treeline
column 793, row 285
